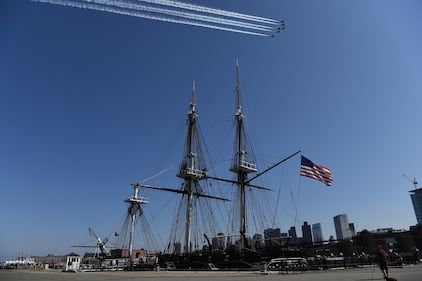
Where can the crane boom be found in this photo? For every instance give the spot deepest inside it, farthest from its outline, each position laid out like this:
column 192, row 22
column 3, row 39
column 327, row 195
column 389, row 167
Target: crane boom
column 414, row 182
column 100, row 243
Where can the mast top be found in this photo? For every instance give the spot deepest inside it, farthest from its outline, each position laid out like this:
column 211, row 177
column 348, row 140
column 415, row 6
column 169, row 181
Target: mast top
column 243, row 161
column 135, row 199
column 192, row 103
column 237, row 89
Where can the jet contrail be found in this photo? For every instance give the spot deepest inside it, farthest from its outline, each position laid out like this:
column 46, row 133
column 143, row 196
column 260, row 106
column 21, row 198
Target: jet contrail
column 194, row 16
column 176, row 13
column 157, row 174
column 204, row 9
column 180, row 17
column 97, row 7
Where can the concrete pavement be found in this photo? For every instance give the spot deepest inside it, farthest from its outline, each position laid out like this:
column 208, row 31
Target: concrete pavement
column 405, row 273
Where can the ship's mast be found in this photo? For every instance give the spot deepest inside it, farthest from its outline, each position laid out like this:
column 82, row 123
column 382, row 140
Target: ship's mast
column 134, row 209
column 243, row 163
column 189, row 169
column 192, row 170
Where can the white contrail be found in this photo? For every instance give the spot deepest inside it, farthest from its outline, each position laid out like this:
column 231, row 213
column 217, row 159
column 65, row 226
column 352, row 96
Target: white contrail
column 157, row 174
column 132, row 13
column 188, row 15
column 214, row 11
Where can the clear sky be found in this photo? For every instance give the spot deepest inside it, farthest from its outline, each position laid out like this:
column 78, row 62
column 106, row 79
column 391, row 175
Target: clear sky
column 91, row 102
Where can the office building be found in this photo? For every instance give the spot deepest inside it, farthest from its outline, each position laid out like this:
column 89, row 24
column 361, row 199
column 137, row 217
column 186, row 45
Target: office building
column 272, row 237
column 352, row 229
column 416, row 196
column 306, row 233
column 258, row 241
column 292, row 235
column 342, row 227
column 317, row 232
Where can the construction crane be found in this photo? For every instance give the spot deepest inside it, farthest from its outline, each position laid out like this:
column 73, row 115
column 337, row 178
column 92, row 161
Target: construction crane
column 101, row 251
column 101, row 243
column 414, row 182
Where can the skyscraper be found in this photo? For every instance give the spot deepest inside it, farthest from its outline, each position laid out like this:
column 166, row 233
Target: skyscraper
column 317, row 232
column 416, row 196
column 272, row 236
column 292, row 235
column 306, row 233
column 342, row 227
column 352, row 229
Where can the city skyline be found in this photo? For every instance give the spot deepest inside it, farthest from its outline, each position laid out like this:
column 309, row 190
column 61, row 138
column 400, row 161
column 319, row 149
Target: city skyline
column 345, row 228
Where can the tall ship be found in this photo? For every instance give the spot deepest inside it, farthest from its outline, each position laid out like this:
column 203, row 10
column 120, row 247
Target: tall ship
column 243, row 204
column 217, row 220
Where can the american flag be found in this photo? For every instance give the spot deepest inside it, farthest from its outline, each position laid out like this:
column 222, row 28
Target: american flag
column 315, row 171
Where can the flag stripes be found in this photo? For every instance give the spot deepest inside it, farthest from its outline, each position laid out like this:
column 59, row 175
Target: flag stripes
column 312, row 170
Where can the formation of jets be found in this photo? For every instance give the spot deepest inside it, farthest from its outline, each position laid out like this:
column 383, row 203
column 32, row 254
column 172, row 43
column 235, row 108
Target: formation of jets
column 281, row 27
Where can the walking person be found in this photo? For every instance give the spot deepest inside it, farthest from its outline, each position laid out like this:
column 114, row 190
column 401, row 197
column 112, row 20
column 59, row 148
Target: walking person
column 382, row 258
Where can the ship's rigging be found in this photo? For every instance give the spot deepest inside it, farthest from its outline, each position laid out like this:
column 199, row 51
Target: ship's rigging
column 199, row 222
column 252, row 203
column 194, row 209
column 194, row 217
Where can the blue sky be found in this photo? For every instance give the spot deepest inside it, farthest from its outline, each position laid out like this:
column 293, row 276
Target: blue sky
column 91, row 102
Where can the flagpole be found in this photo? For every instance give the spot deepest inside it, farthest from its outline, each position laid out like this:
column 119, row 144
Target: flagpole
column 275, row 165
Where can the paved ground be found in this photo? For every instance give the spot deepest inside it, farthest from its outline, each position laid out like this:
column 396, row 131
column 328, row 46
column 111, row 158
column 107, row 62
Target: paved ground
column 406, row 273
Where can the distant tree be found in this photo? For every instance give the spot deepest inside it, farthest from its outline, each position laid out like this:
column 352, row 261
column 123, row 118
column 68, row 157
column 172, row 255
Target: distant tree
column 345, row 247
column 417, row 236
column 404, row 243
column 365, row 242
